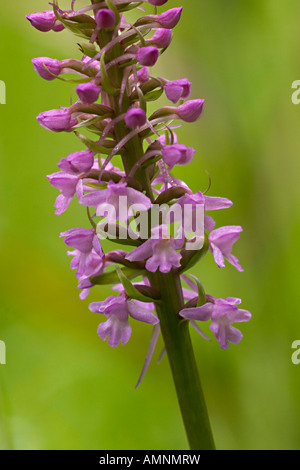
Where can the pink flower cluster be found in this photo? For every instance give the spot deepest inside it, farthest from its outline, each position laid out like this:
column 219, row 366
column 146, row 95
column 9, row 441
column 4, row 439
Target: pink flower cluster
column 110, row 117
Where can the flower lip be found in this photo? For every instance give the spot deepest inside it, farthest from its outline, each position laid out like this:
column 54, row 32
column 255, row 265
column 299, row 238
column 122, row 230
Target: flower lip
column 160, row 251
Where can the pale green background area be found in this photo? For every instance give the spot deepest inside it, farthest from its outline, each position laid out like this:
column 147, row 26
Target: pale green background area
column 62, row 387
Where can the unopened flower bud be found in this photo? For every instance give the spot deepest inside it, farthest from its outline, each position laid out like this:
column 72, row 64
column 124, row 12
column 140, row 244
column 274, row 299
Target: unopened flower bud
column 105, row 18
column 88, row 92
column 135, row 117
column 169, row 19
column 56, row 120
column 45, row 21
column 42, row 21
column 190, row 111
column 161, row 38
column 53, row 65
column 178, row 89
column 147, row 56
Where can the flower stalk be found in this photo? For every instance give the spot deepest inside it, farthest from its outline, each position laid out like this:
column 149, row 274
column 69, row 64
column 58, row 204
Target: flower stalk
column 175, row 332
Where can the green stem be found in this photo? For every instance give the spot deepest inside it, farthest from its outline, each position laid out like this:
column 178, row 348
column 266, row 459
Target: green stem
column 181, row 357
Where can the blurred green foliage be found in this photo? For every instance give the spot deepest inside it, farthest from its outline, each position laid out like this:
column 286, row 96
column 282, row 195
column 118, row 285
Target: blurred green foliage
column 62, row 387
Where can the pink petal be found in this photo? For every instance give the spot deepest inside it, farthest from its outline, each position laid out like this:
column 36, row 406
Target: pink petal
column 141, row 314
column 202, row 313
column 217, row 203
column 141, row 253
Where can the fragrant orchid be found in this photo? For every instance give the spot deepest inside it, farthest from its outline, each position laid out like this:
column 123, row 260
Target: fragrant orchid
column 114, row 86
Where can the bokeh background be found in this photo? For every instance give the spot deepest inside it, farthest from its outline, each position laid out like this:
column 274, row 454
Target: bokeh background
column 62, row 387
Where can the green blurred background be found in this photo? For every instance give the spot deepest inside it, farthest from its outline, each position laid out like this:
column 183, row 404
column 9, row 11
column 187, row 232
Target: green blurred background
column 62, row 387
